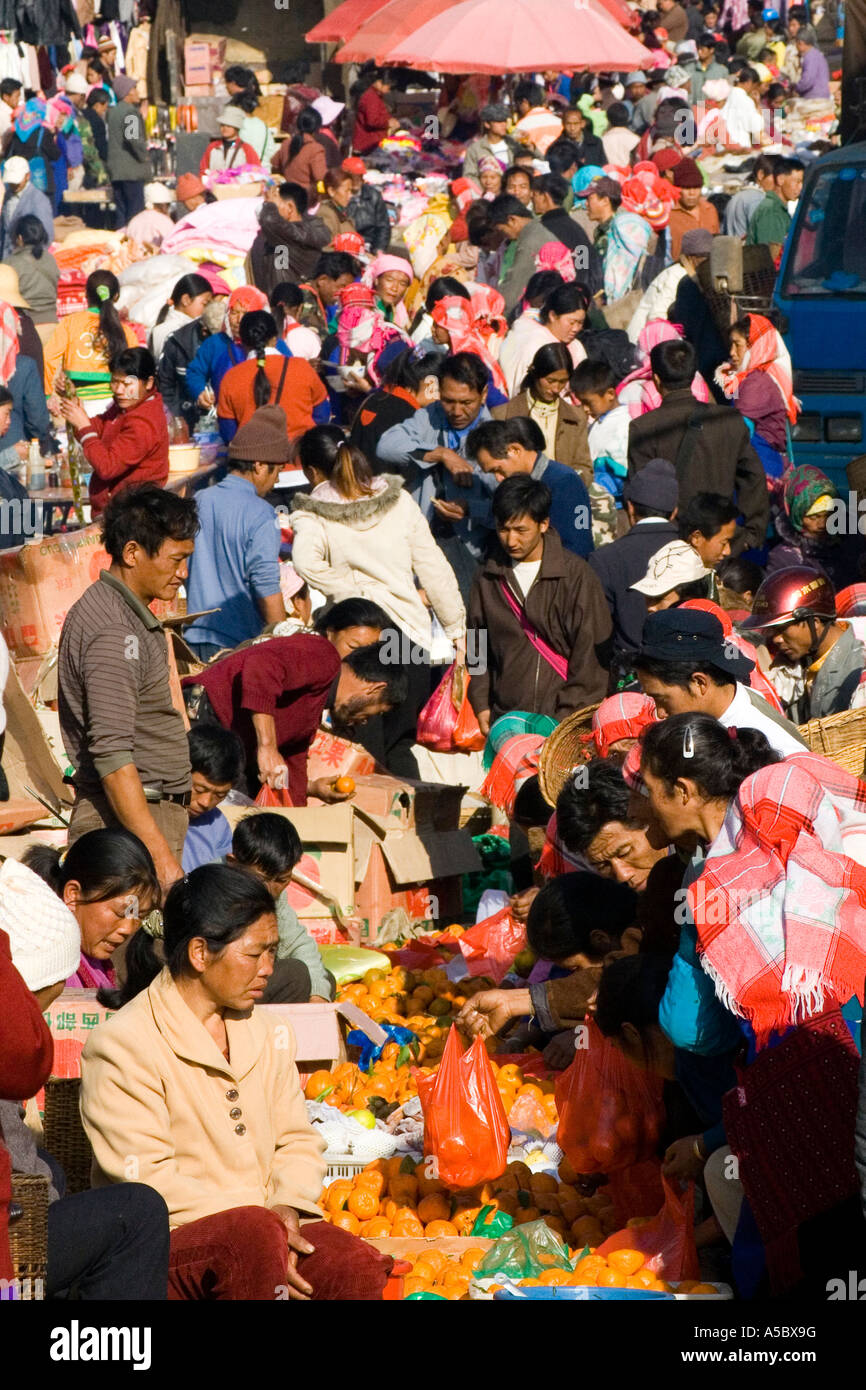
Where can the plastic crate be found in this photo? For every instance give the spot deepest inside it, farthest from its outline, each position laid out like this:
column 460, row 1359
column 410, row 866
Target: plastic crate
column 343, row 1166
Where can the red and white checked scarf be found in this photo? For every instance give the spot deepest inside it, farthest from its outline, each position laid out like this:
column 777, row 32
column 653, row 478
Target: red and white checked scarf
column 514, row 764
column 780, row 907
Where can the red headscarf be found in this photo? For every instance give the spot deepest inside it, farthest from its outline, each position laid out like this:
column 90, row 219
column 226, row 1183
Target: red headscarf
column 456, row 316
column 621, row 716
column 763, row 356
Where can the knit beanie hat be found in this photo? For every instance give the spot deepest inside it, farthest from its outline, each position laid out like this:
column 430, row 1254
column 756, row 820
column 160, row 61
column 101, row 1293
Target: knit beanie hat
column 188, row 186
column 264, row 438
column 686, row 174
column 667, row 158
column 44, row 937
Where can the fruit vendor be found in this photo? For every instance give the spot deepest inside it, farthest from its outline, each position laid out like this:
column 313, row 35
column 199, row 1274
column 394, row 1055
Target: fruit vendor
column 195, row 1083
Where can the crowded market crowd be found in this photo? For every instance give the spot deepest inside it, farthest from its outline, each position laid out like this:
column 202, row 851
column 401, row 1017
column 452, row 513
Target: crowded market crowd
column 527, row 444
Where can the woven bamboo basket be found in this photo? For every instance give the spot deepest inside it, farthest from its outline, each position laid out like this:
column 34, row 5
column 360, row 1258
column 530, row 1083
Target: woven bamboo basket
column 840, row 737
column 64, row 1136
column 28, row 1235
column 564, row 750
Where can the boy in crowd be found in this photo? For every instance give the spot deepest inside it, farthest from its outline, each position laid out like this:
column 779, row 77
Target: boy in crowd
column 217, row 759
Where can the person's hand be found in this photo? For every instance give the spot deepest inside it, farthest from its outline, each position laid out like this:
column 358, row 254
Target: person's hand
column 393, row 125
column 357, row 384
column 487, row 1013
column 206, row 398
column 272, row 768
column 460, row 469
column 22, row 449
column 74, row 413
column 324, row 789
column 298, row 1288
column 318, row 999
column 520, row 903
column 452, row 511
column 168, row 871
column 559, row 1052
column 681, row 1161
column 484, row 721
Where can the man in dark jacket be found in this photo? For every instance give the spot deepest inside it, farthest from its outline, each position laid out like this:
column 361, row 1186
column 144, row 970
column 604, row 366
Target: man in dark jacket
column 650, row 500
column 707, row 444
column 549, row 192
column 129, row 164
column 367, row 209
column 541, row 612
column 288, row 243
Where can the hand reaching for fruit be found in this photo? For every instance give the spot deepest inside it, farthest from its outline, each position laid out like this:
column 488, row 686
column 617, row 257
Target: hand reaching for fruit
column 331, row 790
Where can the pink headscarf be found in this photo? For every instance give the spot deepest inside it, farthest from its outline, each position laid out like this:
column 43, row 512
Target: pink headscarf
column 465, row 192
column 555, row 255
column 644, row 394
column 488, row 310
column 361, row 327
column 621, row 716
column 381, row 266
column 456, row 317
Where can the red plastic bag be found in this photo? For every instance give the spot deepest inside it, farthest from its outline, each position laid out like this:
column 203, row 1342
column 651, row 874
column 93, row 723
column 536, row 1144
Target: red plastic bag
column 666, row 1239
column 273, row 799
column 610, row 1112
column 465, row 1126
column 636, row 1191
column 447, row 722
column 491, row 947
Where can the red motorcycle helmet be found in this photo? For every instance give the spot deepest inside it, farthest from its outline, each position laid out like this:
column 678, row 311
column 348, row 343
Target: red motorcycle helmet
column 791, row 596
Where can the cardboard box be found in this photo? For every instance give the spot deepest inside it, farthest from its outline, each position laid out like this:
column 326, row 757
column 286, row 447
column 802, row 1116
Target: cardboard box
column 72, row 1018
column 330, row 756
column 29, row 759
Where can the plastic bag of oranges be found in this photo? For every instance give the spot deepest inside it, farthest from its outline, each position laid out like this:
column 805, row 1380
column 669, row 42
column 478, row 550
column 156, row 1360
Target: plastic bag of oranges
column 447, row 722
column 525, row 1252
column 667, row 1239
column 465, row 1126
column 610, row 1112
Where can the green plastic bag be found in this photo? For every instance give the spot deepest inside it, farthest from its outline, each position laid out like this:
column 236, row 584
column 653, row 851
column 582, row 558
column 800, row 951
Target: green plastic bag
column 348, row 963
column 495, row 854
column 492, row 1223
column 525, row 1252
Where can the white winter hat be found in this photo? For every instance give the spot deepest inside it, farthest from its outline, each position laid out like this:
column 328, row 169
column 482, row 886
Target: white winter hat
column 676, row 563
column 157, row 194
column 76, row 84
column 44, row 937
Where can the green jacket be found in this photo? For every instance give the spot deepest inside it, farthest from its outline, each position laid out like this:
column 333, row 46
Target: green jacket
column 770, row 222
column 95, row 172
column 296, row 942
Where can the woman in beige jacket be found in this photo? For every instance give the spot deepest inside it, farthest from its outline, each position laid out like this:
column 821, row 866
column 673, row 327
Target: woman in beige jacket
column 191, row 1090
column 357, row 535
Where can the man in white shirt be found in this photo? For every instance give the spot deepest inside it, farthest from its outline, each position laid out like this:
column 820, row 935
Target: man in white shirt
column 662, row 291
column 10, row 98
column 687, row 665
column 742, row 115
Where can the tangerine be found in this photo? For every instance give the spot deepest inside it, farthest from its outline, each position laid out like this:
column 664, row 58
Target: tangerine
column 626, row 1261
column 434, row 1207
column 317, row 1083
column 363, row 1203
column 435, row 1229
column 346, row 1221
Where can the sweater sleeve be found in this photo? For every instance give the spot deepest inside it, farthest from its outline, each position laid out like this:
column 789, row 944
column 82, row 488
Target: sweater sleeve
column 408, row 441
column 54, row 353
column 134, row 438
column 26, row 1045
column 37, row 423
column 435, row 574
column 479, row 685
column 296, row 942
column 198, row 371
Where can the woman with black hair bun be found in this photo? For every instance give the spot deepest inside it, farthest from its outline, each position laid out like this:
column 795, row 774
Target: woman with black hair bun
column 269, row 377
column 410, row 381
column 202, row 1088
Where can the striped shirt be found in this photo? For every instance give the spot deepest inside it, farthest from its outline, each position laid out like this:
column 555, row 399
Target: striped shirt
column 114, row 697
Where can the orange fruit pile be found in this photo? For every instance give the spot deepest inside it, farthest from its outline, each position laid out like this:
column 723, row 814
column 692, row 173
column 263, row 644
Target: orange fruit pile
column 435, row 1272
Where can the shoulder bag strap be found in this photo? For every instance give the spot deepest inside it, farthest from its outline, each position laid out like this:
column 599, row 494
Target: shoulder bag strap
column 553, row 659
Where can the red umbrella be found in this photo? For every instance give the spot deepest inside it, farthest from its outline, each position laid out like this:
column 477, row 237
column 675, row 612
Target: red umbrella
column 395, row 21
column 342, row 22
column 521, row 36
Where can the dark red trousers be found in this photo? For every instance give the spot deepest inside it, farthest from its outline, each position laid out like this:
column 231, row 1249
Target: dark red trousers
column 242, row 1254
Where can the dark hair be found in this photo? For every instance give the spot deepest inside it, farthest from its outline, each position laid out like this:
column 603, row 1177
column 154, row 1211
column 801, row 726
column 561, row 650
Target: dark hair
column 375, row 665
column 553, row 357
column 324, row 448
column 680, row 673
column 443, row 286
column 216, row 753
column 249, row 98
column 30, row 230
column 506, row 205
column 9, row 85
column 787, row 165
column 527, row 90
column 509, row 174
column 775, row 90
column 284, row 297
column 494, row 436
column 148, row 515
column 134, row 361
column 216, row 902
column 100, row 96
column 706, row 40
column 257, row 329
column 96, row 65
column 592, row 378
column 741, row 575
column 562, row 154
column 706, row 512
column 565, row 299
column 617, row 114
column 673, row 363
column 351, row 612
column 541, row 285
column 554, row 185
column 110, row 334
column 745, row 74
column 570, row 908
column 106, row 864
column 6, row 397
column 333, row 264
column 267, row 842
column 718, row 763
column 645, row 509
column 193, row 285
column 585, row 805
column 294, row 193
column 467, row 369
column 630, row 991
column 521, row 495
column 409, row 371
column 334, row 177
column 308, row 123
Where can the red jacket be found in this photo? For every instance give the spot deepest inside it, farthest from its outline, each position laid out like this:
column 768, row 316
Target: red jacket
column 26, row 1054
column 239, row 153
column 288, row 677
column 371, row 121
column 126, row 446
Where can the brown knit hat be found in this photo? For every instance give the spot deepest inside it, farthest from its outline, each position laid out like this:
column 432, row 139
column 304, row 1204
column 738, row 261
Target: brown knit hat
column 686, row 174
column 264, row 437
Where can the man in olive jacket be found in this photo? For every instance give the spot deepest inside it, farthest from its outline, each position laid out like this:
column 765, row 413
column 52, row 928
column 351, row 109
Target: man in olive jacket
column 129, row 163
column 534, row 607
column 708, row 445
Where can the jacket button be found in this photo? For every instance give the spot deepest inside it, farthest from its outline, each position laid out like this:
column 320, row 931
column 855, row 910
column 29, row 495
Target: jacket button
column 232, row 1094
column 240, row 1129
column 235, row 1113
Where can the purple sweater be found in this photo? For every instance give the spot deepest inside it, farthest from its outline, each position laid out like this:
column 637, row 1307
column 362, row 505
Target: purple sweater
column 759, row 398
column 815, row 81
